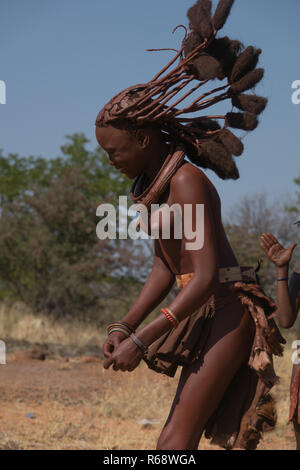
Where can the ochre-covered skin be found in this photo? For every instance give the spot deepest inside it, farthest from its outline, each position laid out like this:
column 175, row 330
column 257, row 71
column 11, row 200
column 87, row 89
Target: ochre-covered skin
column 237, row 326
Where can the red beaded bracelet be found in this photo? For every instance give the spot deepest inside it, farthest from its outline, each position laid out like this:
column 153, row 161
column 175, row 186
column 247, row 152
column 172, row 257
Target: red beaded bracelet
column 170, row 316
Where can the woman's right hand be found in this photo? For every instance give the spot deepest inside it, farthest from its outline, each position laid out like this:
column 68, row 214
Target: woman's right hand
column 112, row 342
column 279, row 255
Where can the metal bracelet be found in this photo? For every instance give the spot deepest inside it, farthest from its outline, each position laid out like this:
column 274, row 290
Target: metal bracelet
column 121, row 331
column 138, row 342
column 120, row 324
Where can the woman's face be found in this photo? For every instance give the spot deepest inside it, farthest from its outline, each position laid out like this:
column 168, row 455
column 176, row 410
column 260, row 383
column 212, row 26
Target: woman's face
column 126, row 152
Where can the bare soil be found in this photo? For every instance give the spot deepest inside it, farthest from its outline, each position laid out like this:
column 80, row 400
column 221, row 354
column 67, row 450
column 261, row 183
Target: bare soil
column 52, row 402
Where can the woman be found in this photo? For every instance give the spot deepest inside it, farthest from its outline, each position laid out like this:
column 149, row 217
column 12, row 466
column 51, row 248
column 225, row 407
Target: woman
column 218, row 321
column 288, row 304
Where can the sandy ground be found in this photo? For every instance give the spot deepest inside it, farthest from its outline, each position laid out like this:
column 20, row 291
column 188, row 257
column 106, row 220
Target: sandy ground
column 73, row 403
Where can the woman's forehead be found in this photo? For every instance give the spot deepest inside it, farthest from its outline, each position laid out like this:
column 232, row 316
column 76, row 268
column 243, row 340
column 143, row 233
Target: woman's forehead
column 110, row 136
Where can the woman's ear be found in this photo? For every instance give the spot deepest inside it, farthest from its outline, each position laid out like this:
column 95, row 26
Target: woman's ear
column 143, row 138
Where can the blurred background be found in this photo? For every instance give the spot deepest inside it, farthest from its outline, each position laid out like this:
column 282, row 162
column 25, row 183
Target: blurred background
column 61, row 62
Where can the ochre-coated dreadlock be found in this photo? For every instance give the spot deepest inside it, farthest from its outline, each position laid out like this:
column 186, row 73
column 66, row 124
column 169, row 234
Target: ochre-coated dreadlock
column 201, row 58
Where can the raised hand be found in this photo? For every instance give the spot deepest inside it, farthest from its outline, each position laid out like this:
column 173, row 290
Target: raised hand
column 279, row 255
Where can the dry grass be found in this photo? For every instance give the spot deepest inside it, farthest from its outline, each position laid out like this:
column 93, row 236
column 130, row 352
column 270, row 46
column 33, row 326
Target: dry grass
column 79, row 405
column 19, row 326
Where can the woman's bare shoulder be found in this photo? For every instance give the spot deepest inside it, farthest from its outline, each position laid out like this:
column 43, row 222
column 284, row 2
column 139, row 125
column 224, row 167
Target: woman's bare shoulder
column 190, row 178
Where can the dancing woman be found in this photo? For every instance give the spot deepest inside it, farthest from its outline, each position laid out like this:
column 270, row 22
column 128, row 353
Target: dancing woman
column 218, row 327
column 288, row 304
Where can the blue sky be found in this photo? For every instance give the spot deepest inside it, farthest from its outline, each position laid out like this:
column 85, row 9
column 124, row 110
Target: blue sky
column 62, row 60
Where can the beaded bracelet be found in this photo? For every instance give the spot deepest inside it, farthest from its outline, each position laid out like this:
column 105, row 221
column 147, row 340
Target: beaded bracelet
column 118, row 327
column 125, row 332
column 170, row 316
column 120, row 324
column 283, row 279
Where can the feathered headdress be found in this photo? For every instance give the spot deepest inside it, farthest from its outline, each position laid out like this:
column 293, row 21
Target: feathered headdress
column 202, row 58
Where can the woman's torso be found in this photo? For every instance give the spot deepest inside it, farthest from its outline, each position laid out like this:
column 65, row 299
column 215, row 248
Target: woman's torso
column 174, row 251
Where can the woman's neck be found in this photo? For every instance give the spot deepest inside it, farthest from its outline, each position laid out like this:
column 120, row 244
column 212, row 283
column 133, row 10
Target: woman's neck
column 156, row 160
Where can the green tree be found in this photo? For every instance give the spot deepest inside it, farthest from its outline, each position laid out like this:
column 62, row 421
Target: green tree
column 51, row 257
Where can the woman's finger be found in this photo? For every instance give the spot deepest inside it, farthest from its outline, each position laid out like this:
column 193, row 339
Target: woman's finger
column 108, row 348
column 265, row 247
column 274, row 239
column 267, row 242
column 268, row 237
column 107, row 363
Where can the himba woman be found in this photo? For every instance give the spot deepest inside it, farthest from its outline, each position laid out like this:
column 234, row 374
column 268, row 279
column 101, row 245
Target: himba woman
column 218, row 328
column 288, row 304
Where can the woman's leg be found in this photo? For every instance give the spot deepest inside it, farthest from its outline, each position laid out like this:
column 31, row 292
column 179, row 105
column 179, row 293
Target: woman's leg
column 295, row 420
column 297, row 433
column 203, row 383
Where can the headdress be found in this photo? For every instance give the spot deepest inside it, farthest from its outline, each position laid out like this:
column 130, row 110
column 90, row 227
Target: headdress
column 205, row 139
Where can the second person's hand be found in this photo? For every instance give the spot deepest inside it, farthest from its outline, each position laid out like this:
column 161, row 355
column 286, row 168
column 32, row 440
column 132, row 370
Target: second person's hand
column 279, row 255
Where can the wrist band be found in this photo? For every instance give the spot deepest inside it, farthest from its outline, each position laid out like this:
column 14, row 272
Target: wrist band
column 120, row 324
column 138, row 342
column 170, row 316
column 117, row 325
column 125, row 332
column 283, row 279
column 128, row 326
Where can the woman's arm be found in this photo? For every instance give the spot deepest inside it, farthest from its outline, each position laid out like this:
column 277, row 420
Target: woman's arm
column 287, row 294
column 156, row 288
column 159, row 283
column 294, row 290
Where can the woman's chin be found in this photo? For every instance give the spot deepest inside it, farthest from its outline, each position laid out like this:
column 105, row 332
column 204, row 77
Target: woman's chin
column 130, row 174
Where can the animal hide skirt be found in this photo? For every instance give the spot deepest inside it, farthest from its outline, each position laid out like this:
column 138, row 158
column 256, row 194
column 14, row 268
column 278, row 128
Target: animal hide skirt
column 295, row 396
column 254, row 409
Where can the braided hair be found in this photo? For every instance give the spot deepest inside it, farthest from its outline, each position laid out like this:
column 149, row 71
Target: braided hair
column 202, row 58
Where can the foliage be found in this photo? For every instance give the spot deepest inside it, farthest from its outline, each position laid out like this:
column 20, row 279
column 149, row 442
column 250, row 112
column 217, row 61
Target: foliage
column 51, row 257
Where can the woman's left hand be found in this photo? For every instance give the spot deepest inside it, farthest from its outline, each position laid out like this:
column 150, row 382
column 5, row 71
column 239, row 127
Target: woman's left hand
column 126, row 357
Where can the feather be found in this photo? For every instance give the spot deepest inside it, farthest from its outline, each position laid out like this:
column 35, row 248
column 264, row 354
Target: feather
column 250, row 103
column 247, row 82
column 246, row 62
column 233, row 144
column 221, row 14
column 245, row 121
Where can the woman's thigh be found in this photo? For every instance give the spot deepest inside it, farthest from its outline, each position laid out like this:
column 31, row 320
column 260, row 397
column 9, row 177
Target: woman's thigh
column 203, row 383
